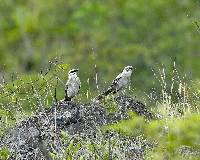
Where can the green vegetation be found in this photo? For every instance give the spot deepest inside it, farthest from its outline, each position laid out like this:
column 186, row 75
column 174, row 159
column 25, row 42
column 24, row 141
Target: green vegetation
column 168, row 136
column 4, row 153
column 40, row 40
column 104, row 33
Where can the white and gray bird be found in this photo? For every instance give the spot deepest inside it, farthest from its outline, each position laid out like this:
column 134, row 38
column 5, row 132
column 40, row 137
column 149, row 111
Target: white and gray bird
column 72, row 86
column 119, row 83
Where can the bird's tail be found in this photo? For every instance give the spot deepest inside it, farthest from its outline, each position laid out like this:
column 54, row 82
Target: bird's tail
column 104, row 94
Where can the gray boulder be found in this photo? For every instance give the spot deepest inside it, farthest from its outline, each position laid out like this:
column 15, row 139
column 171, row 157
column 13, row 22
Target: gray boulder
column 38, row 135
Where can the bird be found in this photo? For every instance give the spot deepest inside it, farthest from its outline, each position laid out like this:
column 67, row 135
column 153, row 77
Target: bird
column 73, row 85
column 119, row 83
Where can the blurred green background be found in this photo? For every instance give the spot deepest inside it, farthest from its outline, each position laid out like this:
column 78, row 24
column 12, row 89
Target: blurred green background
column 107, row 33
column 103, row 36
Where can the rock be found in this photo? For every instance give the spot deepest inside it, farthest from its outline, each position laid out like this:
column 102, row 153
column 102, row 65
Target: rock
column 126, row 102
column 34, row 137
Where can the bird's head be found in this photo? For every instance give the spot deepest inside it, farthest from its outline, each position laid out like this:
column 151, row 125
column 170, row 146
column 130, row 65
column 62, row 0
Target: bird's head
column 73, row 72
column 128, row 70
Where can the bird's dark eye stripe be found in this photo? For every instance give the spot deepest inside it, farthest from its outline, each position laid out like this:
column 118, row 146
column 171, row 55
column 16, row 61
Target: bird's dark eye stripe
column 72, row 71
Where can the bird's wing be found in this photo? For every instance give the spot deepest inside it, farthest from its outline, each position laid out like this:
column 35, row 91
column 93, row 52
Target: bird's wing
column 116, row 80
column 79, row 83
column 66, row 88
column 67, row 98
column 66, row 85
column 111, row 89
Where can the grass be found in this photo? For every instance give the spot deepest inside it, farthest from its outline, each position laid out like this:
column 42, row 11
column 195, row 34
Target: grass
column 177, row 109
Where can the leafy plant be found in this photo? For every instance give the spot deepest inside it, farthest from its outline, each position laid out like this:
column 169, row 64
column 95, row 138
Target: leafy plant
column 4, row 153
